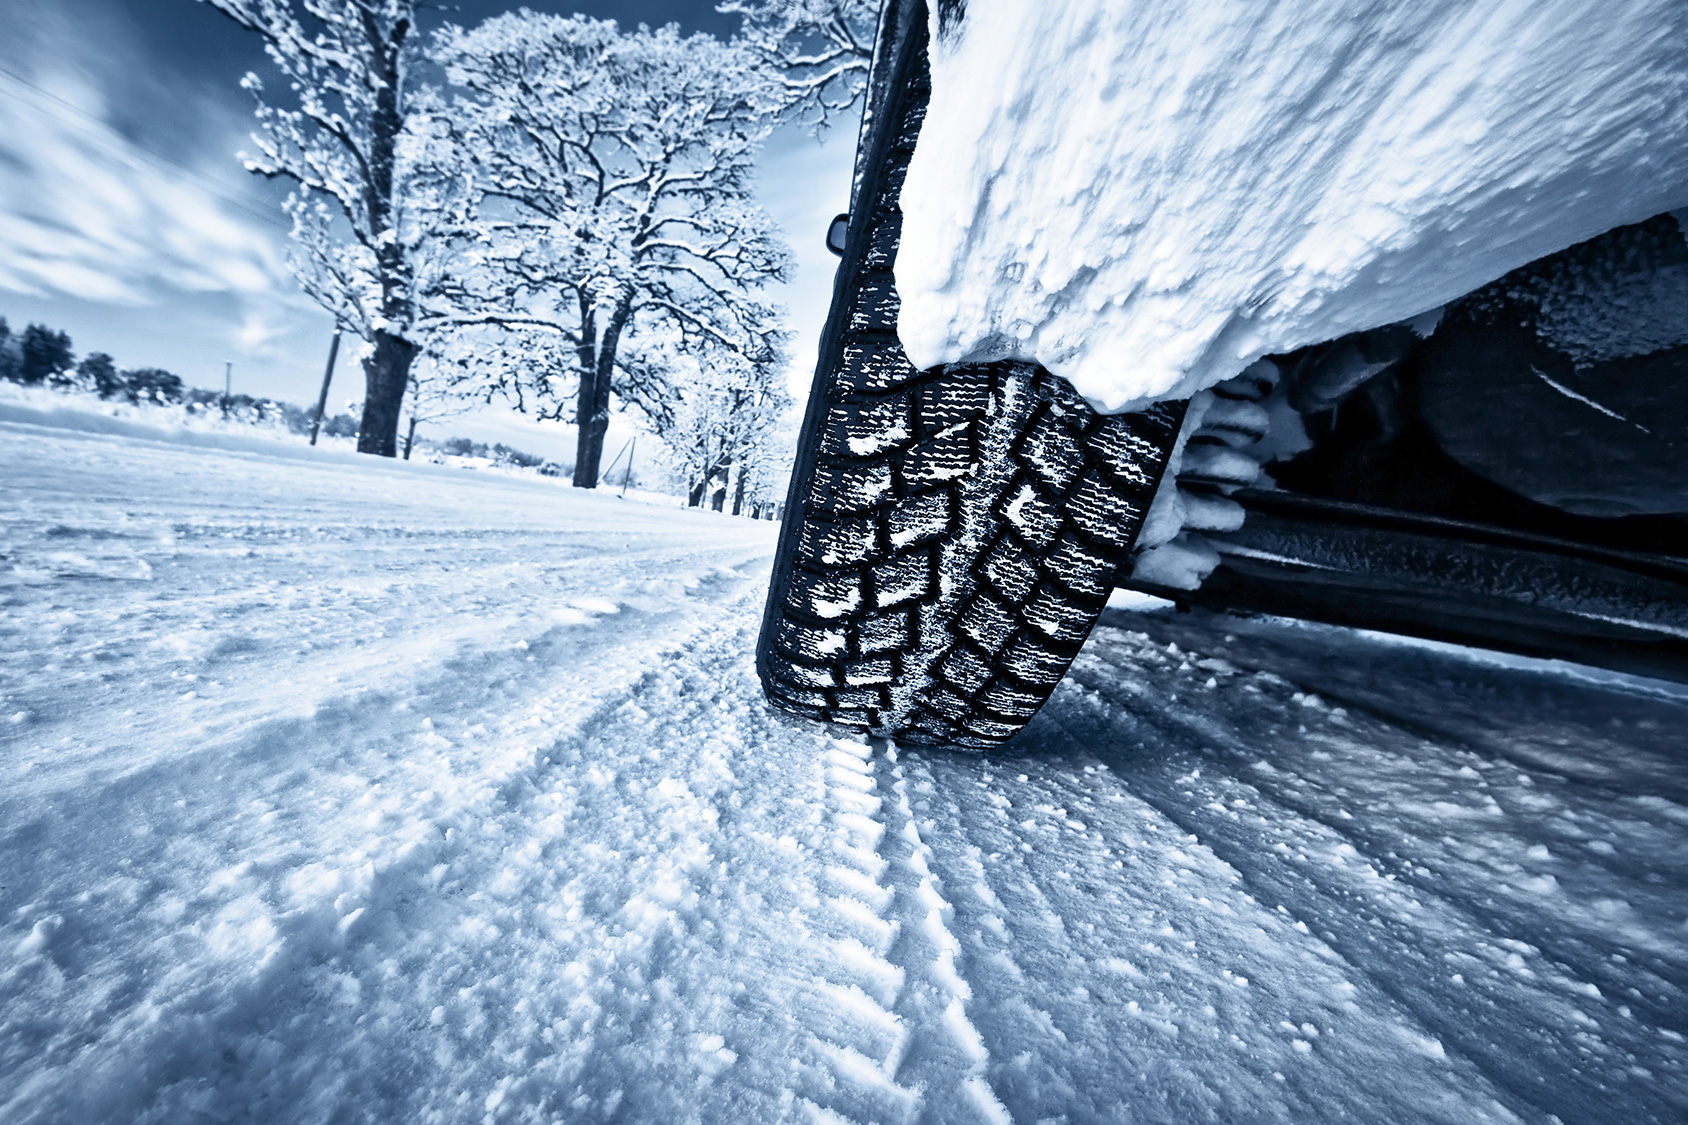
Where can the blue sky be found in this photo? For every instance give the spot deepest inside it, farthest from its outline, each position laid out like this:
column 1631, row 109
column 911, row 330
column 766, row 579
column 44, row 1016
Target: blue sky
column 126, row 219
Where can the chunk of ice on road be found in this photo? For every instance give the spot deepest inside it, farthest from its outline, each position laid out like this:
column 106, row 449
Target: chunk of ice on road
column 1145, row 197
column 40, row 936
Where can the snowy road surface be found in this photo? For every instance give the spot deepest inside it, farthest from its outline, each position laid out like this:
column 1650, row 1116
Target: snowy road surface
column 342, row 791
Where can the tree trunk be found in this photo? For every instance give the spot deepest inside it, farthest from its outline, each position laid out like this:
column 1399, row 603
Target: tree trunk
column 597, row 373
column 386, row 373
column 738, row 493
column 410, row 436
column 591, row 422
column 702, row 486
column 720, row 497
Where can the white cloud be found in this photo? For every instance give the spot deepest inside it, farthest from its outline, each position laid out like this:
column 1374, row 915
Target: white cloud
column 259, row 328
column 83, row 213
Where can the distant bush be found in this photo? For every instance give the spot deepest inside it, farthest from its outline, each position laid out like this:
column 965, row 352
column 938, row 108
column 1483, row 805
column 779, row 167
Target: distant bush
column 46, row 354
column 99, row 374
column 298, row 421
column 462, row 447
column 11, row 354
column 245, row 408
column 340, row 425
column 154, row 385
column 35, row 356
column 498, row 453
column 508, row 456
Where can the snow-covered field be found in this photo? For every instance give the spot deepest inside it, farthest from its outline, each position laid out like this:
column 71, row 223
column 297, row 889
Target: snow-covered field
column 348, row 791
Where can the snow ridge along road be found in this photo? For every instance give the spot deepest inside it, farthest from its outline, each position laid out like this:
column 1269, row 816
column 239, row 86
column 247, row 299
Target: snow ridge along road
column 350, row 791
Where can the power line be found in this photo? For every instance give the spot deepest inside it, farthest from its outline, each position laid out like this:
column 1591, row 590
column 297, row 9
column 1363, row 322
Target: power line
column 166, row 164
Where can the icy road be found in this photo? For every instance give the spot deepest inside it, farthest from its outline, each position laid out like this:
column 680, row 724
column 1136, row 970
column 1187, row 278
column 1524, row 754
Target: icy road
column 347, row 791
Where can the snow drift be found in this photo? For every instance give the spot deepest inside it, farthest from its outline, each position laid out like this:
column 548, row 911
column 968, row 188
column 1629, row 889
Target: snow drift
column 1147, row 196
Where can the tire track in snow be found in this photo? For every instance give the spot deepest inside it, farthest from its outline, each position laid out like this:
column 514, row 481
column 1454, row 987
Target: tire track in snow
column 1226, row 1005
column 849, row 1074
column 1074, row 1000
column 913, row 1053
column 866, row 1040
column 943, row 1055
column 1004, row 915
column 230, row 647
column 1135, row 968
column 1412, row 774
column 1472, row 962
column 626, row 888
column 563, row 951
column 654, row 1026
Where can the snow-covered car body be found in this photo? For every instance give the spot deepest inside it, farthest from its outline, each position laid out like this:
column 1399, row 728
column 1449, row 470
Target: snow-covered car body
column 1496, row 465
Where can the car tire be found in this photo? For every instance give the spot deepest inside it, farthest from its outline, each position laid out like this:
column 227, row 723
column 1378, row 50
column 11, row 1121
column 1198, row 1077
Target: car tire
column 951, row 535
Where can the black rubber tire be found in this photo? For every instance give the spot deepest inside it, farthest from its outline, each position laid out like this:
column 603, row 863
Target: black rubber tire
column 951, row 536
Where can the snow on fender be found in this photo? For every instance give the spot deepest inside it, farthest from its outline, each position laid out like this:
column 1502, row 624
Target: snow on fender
column 1147, row 196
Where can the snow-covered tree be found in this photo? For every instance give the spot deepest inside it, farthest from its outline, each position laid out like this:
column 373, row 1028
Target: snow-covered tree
column 613, row 177
column 435, row 394
column 820, row 50
column 345, row 143
column 767, row 474
column 718, row 428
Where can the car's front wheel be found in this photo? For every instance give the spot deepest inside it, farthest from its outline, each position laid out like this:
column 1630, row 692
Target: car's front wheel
column 951, row 535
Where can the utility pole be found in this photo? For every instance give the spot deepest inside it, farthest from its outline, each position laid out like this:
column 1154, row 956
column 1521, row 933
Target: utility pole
column 605, row 475
column 228, row 384
column 328, row 374
column 627, row 474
